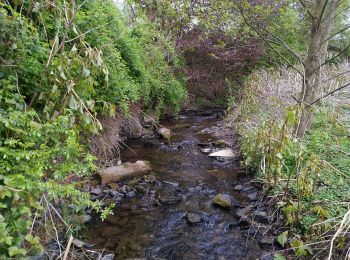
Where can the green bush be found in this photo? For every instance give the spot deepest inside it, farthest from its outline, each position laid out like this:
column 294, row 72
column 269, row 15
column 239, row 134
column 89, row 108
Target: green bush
column 55, row 78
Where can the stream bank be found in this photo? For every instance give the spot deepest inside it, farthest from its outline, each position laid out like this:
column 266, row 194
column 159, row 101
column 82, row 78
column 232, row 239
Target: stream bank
column 192, row 206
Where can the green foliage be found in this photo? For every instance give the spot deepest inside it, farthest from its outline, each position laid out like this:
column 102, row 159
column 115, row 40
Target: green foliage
column 62, row 64
column 310, row 176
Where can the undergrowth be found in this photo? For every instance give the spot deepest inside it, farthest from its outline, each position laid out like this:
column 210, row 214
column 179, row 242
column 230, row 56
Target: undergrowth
column 309, row 177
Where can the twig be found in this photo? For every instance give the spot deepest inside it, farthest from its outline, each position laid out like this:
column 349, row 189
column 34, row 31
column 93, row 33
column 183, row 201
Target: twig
column 330, row 93
column 68, row 247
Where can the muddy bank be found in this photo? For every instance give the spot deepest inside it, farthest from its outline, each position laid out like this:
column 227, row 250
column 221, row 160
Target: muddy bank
column 192, row 206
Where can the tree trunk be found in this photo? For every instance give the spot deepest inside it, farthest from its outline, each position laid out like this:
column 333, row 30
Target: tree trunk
column 321, row 27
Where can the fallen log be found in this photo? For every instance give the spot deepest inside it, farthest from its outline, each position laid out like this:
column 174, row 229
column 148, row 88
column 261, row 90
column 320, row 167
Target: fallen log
column 124, row 171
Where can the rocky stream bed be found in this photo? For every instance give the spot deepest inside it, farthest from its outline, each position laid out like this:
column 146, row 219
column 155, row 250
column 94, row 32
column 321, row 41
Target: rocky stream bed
column 191, row 206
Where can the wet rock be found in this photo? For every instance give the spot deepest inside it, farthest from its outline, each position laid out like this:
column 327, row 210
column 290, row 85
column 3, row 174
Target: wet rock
column 141, row 188
column 133, row 182
column 130, row 194
column 244, row 212
column 110, row 232
column 206, row 150
column 152, row 143
column 82, row 219
column 111, row 219
column 96, row 191
column 124, row 189
column 223, row 153
column 123, row 222
column 115, row 193
column 149, row 120
column 238, row 187
column 193, row 218
column 175, row 184
column 133, row 128
column 262, row 217
column 124, row 171
column 149, row 178
column 267, row 240
column 79, row 243
column 221, row 143
column 113, row 186
column 203, row 144
column 223, row 201
column 108, row 257
column 253, row 196
column 170, row 199
column 165, row 133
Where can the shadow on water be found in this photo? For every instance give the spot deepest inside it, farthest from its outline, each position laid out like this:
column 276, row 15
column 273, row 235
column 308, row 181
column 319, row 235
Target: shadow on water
column 153, row 225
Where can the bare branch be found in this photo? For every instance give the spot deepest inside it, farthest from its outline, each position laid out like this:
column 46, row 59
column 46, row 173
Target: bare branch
column 307, row 9
column 342, row 30
column 338, row 75
column 322, row 12
column 330, row 93
column 336, row 56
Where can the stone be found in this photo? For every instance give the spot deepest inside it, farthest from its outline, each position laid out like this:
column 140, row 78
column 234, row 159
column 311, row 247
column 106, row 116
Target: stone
column 223, row 153
column 244, row 211
column 124, row 171
column 193, row 218
column 165, row 133
column 108, row 257
column 81, row 219
column 133, row 128
column 113, row 186
column 141, row 188
column 238, row 187
column 222, row 200
column 169, row 199
column 111, row 219
column 262, row 217
column 130, row 194
column 124, row 189
column 149, row 120
column 115, row 193
column 96, row 191
column 110, row 232
column 206, row 150
column 203, row 144
column 175, row 184
column 123, row 222
column 252, row 196
column 149, row 178
column 266, row 240
column 221, row 143
column 79, row 243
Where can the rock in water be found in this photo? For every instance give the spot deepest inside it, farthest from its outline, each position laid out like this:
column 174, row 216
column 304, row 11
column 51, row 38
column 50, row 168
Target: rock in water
column 244, row 212
column 124, row 171
column 193, row 218
column 222, row 200
column 223, row 153
column 165, row 133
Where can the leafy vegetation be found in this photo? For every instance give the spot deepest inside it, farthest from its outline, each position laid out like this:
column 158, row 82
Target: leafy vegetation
column 310, row 176
column 63, row 64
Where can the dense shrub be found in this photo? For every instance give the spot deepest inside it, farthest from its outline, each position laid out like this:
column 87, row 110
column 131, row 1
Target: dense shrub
column 62, row 64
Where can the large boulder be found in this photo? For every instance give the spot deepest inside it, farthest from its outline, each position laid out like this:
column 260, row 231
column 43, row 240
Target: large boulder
column 124, row 171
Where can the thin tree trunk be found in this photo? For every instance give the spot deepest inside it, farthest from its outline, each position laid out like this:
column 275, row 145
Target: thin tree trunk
column 321, row 28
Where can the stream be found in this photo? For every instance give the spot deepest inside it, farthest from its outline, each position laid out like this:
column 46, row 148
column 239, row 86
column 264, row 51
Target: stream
column 153, row 222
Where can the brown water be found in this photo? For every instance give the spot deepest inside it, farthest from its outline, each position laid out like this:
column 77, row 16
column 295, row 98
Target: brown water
column 187, row 181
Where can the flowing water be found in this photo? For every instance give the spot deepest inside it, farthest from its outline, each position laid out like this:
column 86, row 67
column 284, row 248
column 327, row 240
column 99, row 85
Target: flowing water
column 186, row 182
